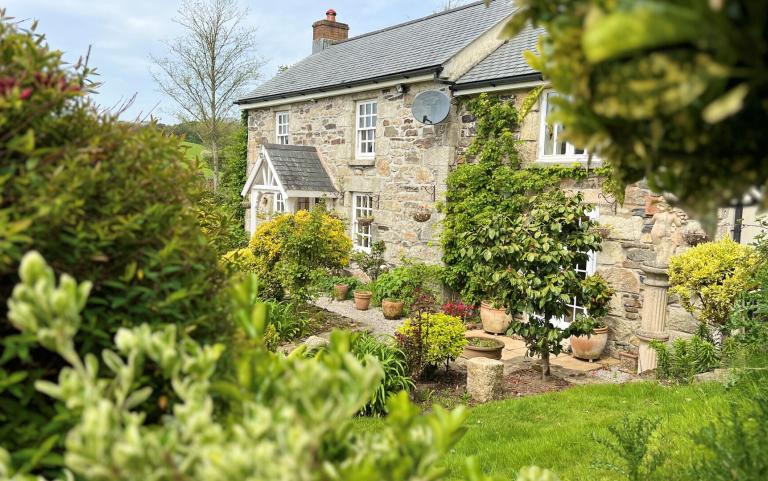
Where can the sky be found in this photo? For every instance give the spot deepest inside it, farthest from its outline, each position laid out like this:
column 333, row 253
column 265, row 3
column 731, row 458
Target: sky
column 123, row 33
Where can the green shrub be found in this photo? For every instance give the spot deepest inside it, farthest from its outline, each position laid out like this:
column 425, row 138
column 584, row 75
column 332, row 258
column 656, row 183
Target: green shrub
column 110, row 201
column 632, row 448
column 685, row 359
column 372, row 263
column 710, row 277
column 405, row 282
column 392, row 361
column 431, row 340
column 284, row 414
column 288, row 251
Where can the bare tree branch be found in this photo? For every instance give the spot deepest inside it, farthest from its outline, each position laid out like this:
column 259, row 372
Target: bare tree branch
column 208, row 67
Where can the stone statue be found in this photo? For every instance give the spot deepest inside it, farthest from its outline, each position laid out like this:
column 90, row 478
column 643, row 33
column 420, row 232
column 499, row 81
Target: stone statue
column 664, row 223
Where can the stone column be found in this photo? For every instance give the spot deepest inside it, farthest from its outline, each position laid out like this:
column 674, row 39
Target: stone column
column 653, row 320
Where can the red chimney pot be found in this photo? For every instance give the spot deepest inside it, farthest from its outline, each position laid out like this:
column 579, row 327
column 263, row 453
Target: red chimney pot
column 330, row 15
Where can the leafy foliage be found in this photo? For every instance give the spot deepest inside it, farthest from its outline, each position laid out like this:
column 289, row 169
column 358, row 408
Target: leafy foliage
column 288, row 251
column 710, row 277
column 492, row 188
column 372, row 263
column 324, row 284
column 405, row 282
column 632, row 448
column 287, row 415
column 685, row 359
column 531, row 258
column 105, row 200
column 596, row 294
column 646, row 91
column 393, row 363
column 459, row 309
column 431, row 340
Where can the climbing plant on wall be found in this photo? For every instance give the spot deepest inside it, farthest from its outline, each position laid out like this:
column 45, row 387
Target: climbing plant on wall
column 491, row 183
column 672, row 92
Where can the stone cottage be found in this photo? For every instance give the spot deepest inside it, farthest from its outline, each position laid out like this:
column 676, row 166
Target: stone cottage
column 339, row 126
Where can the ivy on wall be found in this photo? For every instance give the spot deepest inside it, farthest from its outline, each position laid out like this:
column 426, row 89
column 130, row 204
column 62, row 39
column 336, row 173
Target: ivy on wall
column 490, row 184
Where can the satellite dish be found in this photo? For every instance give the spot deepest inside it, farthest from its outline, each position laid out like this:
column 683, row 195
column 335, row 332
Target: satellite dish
column 431, row 107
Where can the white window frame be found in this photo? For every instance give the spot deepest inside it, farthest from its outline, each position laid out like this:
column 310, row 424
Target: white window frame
column 365, row 134
column 362, row 236
column 570, row 154
column 282, row 127
column 279, row 207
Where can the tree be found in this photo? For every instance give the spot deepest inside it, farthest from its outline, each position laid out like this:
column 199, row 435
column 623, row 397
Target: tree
column 207, row 68
column 530, row 259
column 672, row 92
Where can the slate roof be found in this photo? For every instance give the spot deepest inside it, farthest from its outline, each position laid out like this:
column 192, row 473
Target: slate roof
column 299, row 168
column 505, row 62
column 412, row 47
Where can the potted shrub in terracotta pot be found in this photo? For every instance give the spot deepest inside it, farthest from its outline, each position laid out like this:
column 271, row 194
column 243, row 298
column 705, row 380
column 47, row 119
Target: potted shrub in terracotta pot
column 395, row 288
column 392, row 308
column 483, row 347
column 494, row 318
column 591, row 346
column 340, row 291
column 595, row 296
column 363, row 299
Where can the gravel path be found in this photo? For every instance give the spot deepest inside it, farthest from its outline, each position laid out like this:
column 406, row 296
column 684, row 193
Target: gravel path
column 371, row 319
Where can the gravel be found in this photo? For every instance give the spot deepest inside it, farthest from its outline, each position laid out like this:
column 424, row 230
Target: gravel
column 372, row 319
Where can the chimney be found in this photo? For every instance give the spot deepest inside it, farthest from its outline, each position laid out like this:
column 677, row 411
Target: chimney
column 327, row 32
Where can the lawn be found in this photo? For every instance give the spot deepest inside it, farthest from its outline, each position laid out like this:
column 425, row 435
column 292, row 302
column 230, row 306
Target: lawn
column 556, row 430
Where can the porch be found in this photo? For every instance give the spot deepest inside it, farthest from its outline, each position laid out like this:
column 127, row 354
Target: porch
column 286, row 179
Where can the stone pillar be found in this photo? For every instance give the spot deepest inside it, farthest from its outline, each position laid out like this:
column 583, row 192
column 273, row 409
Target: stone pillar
column 653, row 320
column 485, row 379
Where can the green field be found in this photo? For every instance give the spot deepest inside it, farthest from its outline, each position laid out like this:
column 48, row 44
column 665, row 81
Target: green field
column 195, row 152
column 556, row 430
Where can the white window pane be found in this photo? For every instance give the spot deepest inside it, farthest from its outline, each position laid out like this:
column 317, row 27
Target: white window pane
column 374, row 107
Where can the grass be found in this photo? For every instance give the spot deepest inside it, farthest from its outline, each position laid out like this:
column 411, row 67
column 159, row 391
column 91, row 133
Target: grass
column 555, row 430
column 195, row 152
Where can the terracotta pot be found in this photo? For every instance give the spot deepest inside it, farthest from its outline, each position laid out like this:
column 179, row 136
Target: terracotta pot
column 471, row 351
column 590, row 347
column 340, row 291
column 495, row 321
column 392, row 308
column 362, row 300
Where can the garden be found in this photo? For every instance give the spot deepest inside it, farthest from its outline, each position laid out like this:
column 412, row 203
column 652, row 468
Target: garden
column 143, row 337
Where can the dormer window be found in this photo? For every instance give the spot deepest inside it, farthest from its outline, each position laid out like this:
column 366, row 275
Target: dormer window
column 281, row 128
column 366, row 129
column 552, row 147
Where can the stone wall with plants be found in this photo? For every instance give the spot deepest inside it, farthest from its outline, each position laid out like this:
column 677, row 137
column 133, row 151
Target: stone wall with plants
column 412, row 160
column 628, row 222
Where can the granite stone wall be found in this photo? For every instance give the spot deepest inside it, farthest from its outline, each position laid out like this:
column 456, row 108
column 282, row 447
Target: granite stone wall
column 407, row 173
column 412, row 161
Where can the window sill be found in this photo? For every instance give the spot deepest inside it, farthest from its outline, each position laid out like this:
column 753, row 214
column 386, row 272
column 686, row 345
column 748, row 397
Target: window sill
column 363, row 162
column 567, row 162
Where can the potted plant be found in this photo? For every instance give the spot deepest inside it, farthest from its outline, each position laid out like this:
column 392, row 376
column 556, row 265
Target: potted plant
column 392, row 289
column 362, row 299
column 422, row 214
column 596, row 294
column 483, row 347
column 494, row 317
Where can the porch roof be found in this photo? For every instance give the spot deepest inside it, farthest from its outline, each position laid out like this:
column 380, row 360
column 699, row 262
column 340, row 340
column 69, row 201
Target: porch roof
column 298, row 169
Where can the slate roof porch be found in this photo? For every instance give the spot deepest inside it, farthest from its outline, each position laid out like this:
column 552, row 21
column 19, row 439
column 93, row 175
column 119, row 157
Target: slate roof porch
column 286, row 179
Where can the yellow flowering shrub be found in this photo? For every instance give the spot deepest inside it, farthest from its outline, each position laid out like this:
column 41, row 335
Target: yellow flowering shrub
column 290, row 247
column 431, row 340
column 709, row 278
